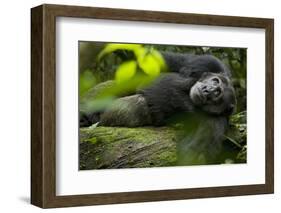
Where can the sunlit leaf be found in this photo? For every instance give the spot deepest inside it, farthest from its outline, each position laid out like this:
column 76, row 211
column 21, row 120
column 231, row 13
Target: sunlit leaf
column 150, row 65
column 159, row 58
column 140, row 53
column 125, row 71
column 113, row 47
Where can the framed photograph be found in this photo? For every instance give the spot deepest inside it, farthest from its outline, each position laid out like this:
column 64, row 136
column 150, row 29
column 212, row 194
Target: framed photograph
column 136, row 106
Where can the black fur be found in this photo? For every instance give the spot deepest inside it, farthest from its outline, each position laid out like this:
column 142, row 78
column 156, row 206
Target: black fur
column 168, row 95
column 203, row 131
column 190, row 65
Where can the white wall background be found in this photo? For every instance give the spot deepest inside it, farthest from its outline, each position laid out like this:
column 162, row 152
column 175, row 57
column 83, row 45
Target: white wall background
column 15, row 105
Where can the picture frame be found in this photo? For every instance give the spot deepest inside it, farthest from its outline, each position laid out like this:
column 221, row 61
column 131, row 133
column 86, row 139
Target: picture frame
column 43, row 105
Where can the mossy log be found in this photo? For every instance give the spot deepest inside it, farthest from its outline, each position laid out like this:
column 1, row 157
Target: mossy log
column 120, row 147
column 116, row 147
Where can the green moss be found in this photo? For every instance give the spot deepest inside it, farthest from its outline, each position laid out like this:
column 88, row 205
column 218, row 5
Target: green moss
column 92, row 140
column 168, row 156
column 120, row 147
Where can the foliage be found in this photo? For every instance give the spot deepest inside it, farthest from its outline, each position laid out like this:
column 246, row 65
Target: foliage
column 125, row 71
column 138, row 70
column 147, row 60
column 86, row 81
column 237, row 134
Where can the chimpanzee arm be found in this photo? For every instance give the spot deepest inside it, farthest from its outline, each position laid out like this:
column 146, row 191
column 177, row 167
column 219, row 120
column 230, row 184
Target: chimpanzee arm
column 189, row 65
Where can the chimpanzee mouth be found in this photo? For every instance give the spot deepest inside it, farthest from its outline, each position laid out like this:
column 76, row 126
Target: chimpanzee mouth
column 200, row 95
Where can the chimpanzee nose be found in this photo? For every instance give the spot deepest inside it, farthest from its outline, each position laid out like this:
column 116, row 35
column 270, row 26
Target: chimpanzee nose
column 207, row 89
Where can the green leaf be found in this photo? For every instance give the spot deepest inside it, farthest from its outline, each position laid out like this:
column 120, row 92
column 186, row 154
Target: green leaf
column 99, row 104
column 150, row 61
column 113, row 47
column 150, row 65
column 125, row 71
column 159, row 58
column 86, row 82
column 140, row 53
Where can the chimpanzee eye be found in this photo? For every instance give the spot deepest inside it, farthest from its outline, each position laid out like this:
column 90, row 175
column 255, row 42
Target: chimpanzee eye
column 216, row 80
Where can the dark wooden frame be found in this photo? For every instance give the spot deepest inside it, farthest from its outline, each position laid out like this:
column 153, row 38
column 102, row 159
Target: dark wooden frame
column 43, row 105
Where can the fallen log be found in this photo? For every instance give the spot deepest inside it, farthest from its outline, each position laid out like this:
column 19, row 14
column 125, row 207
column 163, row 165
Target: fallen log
column 116, row 147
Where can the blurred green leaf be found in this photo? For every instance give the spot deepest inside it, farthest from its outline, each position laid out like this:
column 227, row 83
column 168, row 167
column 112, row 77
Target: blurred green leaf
column 160, row 60
column 86, row 81
column 129, row 87
column 98, row 104
column 125, row 71
column 140, row 53
column 150, row 61
column 150, row 65
column 113, row 47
